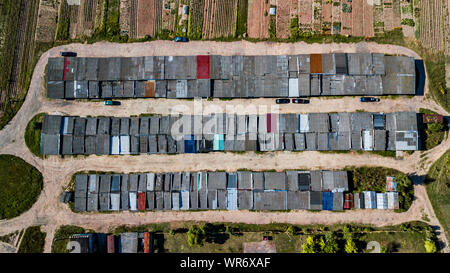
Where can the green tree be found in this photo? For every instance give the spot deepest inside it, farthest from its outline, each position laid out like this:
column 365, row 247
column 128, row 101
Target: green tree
column 350, row 247
column 430, row 246
column 347, row 233
column 196, row 235
column 294, row 29
column 435, row 127
column 290, row 230
column 331, row 245
column 310, row 246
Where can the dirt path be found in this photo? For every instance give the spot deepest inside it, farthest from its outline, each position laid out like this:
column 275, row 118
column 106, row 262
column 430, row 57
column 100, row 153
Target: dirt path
column 50, row 213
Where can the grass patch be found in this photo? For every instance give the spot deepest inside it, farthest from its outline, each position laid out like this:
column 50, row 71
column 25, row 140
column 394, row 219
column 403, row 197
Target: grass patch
column 241, row 18
column 374, row 179
column 20, row 185
column 33, row 134
column 61, row 239
column 438, row 189
column 433, row 135
column 174, row 237
column 33, row 240
column 436, row 80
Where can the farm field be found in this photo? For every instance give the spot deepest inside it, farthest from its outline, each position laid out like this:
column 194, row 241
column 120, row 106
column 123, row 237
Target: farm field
column 17, row 32
column 434, row 25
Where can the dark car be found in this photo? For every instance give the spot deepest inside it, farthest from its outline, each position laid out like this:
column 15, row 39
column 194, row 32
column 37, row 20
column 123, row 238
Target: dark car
column 300, row 101
column 181, row 39
column 369, row 99
column 111, row 102
column 267, row 238
column 282, row 101
column 68, row 54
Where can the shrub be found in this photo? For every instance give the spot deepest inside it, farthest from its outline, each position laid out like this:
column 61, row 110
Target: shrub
column 331, row 245
column 294, row 29
column 430, row 246
column 350, row 247
column 310, row 246
column 33, row 240
column 408, row 22
column 33, row 134
column 196, row 235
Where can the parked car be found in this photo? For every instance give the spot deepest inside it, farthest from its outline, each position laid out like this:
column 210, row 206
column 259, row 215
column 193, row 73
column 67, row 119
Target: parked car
column 181, row 39
column 282, row 101
column 68, row 54
column 300, row 101
column 110, row 102
column 369, row 99
column 267, row 238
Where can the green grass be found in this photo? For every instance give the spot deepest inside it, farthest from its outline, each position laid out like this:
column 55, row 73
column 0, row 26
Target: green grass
column 33, row 134
column 241, row 20
column 33, row 240
column 229, row 237
column 20, row 186
column 427, row 111
column 9, row 22
column 273, row 27
column 61, row 239
column 438, row 189
column 436, row 80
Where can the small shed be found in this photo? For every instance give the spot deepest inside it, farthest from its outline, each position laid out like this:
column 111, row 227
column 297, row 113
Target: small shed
column 111, row 245
column 348, row 201
column 273, row 11
column 382, row 202
column 141, row 201
column 133, row 201
column 391, row 185
column 432, row 118
column 392, row 200
column 327, row 201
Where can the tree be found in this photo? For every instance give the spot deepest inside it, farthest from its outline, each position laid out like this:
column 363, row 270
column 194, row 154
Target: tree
column 347, row 233
column 331, row 245
column 290, row 230
column 430, row 246
column 196, row 235
column 310, row 246
column 350, row 247
column 435, row 127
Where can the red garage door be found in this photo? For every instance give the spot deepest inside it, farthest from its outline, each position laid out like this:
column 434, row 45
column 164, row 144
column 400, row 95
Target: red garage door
column 203, row 67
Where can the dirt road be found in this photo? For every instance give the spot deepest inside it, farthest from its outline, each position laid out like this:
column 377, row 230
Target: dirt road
column 50, row 213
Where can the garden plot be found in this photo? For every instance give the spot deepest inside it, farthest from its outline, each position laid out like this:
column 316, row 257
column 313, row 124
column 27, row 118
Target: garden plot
column 358, row 18
column 434, row 25
column 317, row 17
column 146, row 18
column 258, row 19
column 283, row 18
column 46, row 23
column 346, row 18
column 327, row 15
column 368, row 18
column 378, row 17
column 305, row 15
column 336, row 17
